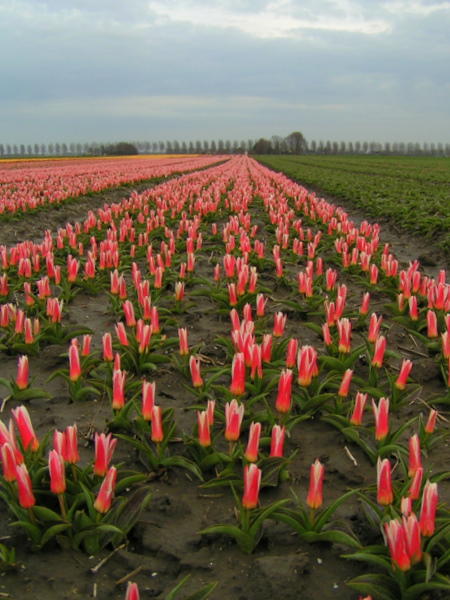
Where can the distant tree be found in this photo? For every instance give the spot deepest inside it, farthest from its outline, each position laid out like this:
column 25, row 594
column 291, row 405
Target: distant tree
column 342, row 148
column 15, row 150
column 358, row 147
column 432, row 149
column 296, row 143
column 321, row 147
column 350, row 148
column 161, row 147
column 220, row 147
column 22, row 149
column 64, row 149
column 205, row 146
column 244, row 146
column 176, row 147
column 313, row 146
column 2, row 150
column 262, row 146
column 191, row 148
column 249, row 144
column 440, row 149
column 198, row 146
column 213, row 147
column 235, row 147
column 334, row 147
column 169, row 148
column 328, row 147
column 72, row 148
column 29, row 150
column 184, row 147
column 120, row 149
column 8, row 149
column 155, row 147
column 387, row 148
column 227, row 146
column 278, row 144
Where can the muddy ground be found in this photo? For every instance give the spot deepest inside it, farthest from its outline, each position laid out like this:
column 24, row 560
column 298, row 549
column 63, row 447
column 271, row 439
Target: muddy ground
column 165, row 546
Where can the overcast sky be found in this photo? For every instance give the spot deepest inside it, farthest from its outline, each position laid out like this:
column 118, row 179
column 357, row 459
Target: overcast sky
column 187, row 70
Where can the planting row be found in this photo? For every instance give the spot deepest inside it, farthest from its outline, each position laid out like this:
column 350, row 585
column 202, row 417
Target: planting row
column 413, row 193
column 27, row 185
column 302, row 306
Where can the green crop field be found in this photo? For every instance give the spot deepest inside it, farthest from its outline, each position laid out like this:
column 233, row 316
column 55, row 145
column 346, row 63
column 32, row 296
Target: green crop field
column 412, row 192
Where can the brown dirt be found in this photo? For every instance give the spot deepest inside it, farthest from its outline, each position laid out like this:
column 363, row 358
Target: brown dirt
column 165, row 545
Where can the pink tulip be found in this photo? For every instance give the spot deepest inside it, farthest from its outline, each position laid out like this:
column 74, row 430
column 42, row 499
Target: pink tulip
column 414, row 486
column 234, row 413
column 104, row 450
column 251, row 451
column 403, row 375
column 431, row 422
column 412, row 538
column 252, row 481
column 183, row 341
column 314, row 497
column 428, row 509
column 157, row 432
column 237, row 387
column 118, row 389
column 384, row 486
column 22, row 373
column 107, row 347
column 8, row 462
column 74, row 362
column 414, row 455
column 25, row 493
column 397, row 546
column 279, row 323
column 104, row 497
column 57, row 474
column 358, row 410
column 345, row 383
column 25, row 427
column 378, row 354
column 194, row 366
column 204, row 434
column 344, row 327
column 283, row 400
column 277, row 440
column 132, row 591
column 374, row 327
column 381, row 416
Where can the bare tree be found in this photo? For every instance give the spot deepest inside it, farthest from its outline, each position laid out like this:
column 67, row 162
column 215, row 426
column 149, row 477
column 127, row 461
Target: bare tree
column 296, row 143
column 278, row 144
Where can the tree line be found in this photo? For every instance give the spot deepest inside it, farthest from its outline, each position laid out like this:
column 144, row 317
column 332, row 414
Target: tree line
column 294, row 143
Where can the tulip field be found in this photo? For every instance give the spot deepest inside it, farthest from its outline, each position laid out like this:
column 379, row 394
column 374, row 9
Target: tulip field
column 216, row 384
